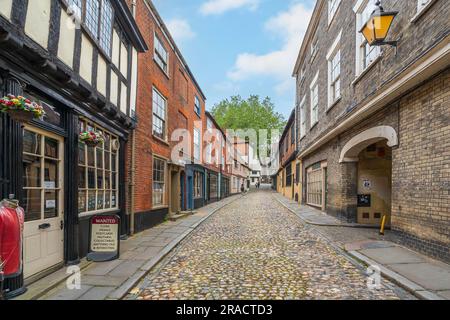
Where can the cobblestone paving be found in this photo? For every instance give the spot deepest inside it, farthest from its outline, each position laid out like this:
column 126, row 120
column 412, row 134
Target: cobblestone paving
column 255, row 249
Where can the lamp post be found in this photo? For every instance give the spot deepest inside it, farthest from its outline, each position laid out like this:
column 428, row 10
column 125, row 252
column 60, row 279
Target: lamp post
column 376, row 29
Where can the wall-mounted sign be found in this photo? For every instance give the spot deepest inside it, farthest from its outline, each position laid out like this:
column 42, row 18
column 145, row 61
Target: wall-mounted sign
column 364, row 200
column 104, row 240
column 367, row 184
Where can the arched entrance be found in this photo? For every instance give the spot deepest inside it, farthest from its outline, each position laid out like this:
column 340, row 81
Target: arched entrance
column 371, row 150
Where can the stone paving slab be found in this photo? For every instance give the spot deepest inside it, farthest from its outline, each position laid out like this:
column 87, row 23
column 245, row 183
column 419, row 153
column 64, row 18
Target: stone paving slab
column 429, row 276
column 392, row 255
column 97, row 293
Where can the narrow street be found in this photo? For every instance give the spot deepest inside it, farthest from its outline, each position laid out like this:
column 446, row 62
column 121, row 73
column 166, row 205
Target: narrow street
column 255, row 249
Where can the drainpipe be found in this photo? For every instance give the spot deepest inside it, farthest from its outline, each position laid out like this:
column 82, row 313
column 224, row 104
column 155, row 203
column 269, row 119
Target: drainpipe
column 133, row 8
column 133, row 180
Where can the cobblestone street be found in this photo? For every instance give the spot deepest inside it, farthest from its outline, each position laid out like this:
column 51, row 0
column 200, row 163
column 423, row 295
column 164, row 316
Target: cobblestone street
column 255, row 249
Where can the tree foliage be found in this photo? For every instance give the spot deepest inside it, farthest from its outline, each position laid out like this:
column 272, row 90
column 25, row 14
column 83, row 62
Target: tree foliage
column 252, row 113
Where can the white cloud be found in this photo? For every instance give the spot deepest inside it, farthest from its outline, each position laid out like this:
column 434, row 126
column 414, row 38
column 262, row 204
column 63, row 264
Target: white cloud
column 211, row 7
column 180, row 29
column 290, row 26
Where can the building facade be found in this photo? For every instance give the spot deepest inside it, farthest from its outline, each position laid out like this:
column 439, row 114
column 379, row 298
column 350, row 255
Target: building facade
column 79, row 63
column 372, row 122
column 288, row 182
column 166, row 171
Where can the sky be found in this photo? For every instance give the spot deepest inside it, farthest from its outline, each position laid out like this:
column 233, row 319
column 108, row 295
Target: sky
column 240, row 47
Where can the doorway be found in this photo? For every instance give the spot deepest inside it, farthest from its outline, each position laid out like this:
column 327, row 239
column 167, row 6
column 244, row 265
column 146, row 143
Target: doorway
column 43, row 200
column 374, row 184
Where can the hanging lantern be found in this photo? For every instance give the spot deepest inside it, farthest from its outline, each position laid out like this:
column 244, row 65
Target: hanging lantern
column 377, row 28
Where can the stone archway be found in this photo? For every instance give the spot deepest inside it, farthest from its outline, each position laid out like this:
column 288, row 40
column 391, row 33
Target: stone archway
column 366, row 138
column 370, row 152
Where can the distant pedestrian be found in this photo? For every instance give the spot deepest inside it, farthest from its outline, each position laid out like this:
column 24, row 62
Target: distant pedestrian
column 242, row 188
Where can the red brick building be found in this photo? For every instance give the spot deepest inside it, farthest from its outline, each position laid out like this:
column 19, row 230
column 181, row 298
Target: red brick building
column 168, row 98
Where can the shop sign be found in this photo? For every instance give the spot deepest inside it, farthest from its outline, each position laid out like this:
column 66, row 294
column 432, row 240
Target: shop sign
column 104, row 239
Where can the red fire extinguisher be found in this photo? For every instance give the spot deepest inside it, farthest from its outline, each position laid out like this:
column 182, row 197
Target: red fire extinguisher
column 11, row 231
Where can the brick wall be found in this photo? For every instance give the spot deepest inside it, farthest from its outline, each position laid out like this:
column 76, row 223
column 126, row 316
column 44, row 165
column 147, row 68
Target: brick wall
column 421, row 168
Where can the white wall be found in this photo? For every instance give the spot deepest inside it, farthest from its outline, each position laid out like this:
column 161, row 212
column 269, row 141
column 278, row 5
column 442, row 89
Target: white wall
column 101, row 75
column 87, row 52
column 66, row 45
column 37, row 24
column 5, row 8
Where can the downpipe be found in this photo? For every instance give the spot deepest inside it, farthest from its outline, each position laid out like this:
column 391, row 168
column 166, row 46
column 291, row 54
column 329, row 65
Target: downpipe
column 133, row 181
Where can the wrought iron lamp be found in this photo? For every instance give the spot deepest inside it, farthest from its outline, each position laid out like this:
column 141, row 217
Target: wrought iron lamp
column 377, row 28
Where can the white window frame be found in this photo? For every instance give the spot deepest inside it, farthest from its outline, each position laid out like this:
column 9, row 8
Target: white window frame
column 163, row 182
column 159, row 94
column 197, row 144
column 314, row 47
column 197, row 106
column 303, row 118
column 113, row 172
column 361, row 43
column 335, row 49
column 333, row 6
column 158, row 57
column 422, row 7
column 314, row 85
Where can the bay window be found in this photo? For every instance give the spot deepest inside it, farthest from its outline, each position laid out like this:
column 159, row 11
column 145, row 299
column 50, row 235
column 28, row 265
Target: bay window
column 98, row 172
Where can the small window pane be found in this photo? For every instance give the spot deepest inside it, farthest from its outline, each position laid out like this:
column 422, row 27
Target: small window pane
column 91, row 156
column 99, row 158
column 51, row 204
column 91, row 17
column 31, row 142
column 51, row 174
column 100, row 196
column 91, row 178
column 32, row 205
column 91, row 201
column 81, row 153
column 81, row 177
column 81, row 201
column 31, row 171
column 100, row 179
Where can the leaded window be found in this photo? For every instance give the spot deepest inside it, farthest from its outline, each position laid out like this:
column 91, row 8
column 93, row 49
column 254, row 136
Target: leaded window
column 91, row 16
column 106, row 26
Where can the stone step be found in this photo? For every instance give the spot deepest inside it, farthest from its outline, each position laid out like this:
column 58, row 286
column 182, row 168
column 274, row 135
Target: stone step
column 181, row 215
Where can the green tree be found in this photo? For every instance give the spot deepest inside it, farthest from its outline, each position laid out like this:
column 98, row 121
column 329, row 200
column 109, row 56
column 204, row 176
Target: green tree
column 253, row 113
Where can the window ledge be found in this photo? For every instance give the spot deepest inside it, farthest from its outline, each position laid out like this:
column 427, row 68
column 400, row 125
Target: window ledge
column 372, row 64
column 313, row 126
column 160, row 207
column 422, row 11
column 160, row 68
column 160, row 140
column 333, row 104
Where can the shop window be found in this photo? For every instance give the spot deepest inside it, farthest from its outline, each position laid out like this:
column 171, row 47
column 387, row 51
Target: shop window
column 213, row 187
column 315, row 186
column 159, row 184
column 198, row 185
column 98, row 173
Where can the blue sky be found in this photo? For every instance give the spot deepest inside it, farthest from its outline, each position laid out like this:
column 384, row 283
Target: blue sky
column 240, row 46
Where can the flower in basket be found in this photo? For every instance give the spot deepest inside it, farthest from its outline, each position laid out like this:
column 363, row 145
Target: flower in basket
column 91, row 138
column 13, row 104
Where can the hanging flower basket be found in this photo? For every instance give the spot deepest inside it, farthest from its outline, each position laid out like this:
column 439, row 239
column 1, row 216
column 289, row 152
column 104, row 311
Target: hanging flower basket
column 91, row 138
column 21, row 109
